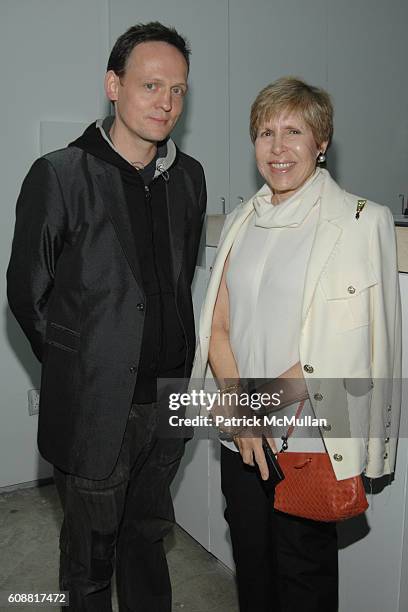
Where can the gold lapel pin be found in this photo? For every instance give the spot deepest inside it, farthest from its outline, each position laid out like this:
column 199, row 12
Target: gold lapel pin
column 360, row 206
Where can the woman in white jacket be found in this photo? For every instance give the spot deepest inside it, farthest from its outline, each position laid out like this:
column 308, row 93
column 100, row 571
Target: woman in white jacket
column 305, row 282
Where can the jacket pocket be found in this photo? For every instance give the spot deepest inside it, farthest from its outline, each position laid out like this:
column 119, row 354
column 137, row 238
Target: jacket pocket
column 348, row 295
column 62, row 337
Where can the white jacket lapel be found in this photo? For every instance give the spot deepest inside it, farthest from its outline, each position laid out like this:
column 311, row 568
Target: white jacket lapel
column 328, row 233
column 227, row 240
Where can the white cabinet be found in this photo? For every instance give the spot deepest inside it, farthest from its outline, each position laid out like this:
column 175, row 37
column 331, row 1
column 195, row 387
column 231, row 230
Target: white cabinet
column 373, row 559
column 373, row 556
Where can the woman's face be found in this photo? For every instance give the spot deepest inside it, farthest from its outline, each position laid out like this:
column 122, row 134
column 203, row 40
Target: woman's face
column 286, row 154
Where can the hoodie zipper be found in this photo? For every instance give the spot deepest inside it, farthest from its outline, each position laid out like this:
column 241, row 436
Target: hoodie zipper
column 148, row 195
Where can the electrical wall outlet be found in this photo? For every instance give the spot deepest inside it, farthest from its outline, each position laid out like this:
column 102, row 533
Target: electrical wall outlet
column 33, row 401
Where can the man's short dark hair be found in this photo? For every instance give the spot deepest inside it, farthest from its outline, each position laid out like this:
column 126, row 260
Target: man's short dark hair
column 144, row 32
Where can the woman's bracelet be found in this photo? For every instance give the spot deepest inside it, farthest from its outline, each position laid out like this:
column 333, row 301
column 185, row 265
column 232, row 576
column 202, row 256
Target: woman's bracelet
column 234, row 387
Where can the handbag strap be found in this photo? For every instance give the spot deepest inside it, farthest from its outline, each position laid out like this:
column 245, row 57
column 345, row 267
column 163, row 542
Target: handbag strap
column 291, row 428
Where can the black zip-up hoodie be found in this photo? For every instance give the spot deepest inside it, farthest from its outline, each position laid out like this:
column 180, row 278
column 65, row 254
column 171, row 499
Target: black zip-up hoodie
column 163, row 350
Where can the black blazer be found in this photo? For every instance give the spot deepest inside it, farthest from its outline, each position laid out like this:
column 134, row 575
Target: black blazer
column 74, row 285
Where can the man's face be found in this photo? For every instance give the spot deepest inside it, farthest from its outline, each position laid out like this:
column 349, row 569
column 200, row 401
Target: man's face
column 149, row 97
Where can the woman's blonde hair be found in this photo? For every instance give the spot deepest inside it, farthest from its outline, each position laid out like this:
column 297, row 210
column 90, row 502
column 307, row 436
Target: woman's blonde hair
column 291, row 94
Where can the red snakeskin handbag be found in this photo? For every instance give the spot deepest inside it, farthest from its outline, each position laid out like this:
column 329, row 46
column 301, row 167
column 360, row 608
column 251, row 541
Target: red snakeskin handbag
column 310, row 488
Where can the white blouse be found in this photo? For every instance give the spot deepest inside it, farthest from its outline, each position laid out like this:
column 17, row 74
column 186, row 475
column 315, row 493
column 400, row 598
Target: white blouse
column 265, row 280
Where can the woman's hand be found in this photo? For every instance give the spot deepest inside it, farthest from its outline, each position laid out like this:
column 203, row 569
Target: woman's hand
column 252, row 452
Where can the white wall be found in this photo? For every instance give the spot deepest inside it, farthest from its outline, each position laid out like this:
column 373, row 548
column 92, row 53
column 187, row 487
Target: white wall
column 57, row 53
column 53, row 56
column 203, row 128
column 367, row 76
column 282, row 37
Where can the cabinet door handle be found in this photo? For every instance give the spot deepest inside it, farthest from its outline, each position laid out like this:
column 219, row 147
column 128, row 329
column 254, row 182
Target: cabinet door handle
column 222, row 200
column 240, row 199
column 402, row 198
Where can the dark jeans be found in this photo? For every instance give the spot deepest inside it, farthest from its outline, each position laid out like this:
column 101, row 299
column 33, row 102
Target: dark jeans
column 283, row 563
column 121, row 521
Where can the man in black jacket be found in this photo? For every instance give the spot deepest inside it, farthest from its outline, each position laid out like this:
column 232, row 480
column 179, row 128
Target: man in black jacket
column 104, row 253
